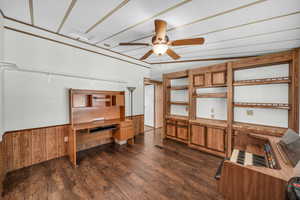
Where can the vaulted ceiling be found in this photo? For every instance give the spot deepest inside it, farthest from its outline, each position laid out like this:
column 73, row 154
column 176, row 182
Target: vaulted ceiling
column 230, row 27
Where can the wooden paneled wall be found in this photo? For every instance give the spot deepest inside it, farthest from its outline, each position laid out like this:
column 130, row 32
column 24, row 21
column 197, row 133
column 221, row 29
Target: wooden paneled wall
column 2, row 168
column 138, row 123
column 28, row 147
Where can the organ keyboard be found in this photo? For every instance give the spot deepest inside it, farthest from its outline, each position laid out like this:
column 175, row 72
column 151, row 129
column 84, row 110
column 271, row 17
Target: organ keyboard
column 246, row 158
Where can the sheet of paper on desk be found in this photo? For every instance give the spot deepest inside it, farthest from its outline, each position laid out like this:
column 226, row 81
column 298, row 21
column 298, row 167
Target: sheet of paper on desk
column 98, row 119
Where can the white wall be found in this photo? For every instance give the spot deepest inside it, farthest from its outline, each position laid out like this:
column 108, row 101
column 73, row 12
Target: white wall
column 149, row 105
column 36, row 100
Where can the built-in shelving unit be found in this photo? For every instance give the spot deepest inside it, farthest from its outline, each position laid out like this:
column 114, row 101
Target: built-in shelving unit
column 217, row 87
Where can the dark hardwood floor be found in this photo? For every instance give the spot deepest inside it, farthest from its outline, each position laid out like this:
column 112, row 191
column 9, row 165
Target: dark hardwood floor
column 137, row 172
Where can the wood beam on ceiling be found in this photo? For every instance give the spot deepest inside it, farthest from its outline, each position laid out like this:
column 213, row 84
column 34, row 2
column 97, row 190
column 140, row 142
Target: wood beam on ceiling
column 204, row 59
column 146, row 20
column 241, row 46
column 68, row 37
column 205, row 18
column 30, row 3
column 122, row 4
column 70, row 8
column 71, row 45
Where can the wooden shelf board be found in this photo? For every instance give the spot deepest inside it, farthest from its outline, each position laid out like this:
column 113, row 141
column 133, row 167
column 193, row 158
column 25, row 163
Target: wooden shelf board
column 183, row 103
column 177, row 117
column 211, row 86
column 212, row 122
column 211, row 95
column 263, row 105
column 182, row 87
column 264, row 81
column 257, row 128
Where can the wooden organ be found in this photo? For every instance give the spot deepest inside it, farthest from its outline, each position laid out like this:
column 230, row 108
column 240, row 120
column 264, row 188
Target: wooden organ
column 257, row 169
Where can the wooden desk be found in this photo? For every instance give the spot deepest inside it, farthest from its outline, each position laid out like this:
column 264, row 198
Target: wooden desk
column 97, row 114
column 122, row 130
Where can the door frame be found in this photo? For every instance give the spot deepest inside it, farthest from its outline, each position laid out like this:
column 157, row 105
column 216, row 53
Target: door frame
column 155, row 83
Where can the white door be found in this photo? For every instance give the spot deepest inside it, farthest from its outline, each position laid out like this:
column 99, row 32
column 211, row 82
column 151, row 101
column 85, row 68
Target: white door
column 149, row 105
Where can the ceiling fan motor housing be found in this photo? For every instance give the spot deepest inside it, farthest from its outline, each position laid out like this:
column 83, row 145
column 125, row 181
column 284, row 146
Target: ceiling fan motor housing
column 156, row 40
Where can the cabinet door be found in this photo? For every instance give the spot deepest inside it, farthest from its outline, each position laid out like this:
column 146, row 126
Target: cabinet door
column 120, row 101
column 208, row 79
column 216, row 139
column 218, row 78
column 171, row 130
column 198, row 135
column 199, row 80
column 182, row 130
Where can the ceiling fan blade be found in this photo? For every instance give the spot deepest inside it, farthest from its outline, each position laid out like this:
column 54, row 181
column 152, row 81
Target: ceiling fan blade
column 172, row 54
column 147, row 55
column 193, row 41
column 133, row 44
column 160, row 29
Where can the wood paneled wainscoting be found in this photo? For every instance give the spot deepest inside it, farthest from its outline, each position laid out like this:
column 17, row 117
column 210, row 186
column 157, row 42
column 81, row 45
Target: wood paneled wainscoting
column 23, row 148
column 31, row 146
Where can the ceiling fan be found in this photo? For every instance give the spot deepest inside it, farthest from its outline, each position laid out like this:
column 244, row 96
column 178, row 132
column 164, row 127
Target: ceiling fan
column 161, row 43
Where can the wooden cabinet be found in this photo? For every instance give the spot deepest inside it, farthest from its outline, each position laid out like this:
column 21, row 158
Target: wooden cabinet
column 177, row 129
column 216, row 139
column 182, row 130
column 199, row 80
column 125, row 132
column 209, row 138
column 209, row 79
column 171, row 130
column 218, row 78
column 198, row 135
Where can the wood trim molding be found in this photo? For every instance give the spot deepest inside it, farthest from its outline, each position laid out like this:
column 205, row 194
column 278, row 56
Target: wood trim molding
column 146, row 20
column 268, row 59
column 74, row 46
column 70, row 8
column 110, row 13
column 80, row 41
column 30, row 3
column 203, row 59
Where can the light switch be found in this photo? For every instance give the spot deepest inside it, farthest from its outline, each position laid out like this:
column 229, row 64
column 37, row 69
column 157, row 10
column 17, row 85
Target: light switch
column 212, row 110
column 250, row 112
column 66, row 139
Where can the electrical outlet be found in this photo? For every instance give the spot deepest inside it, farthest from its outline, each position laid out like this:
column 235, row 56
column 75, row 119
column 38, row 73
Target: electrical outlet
column 66, row 139
column 250, row 112
column 212, row 116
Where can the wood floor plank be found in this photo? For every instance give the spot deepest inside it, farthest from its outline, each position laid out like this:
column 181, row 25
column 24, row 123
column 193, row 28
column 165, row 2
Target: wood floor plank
column 110, row 172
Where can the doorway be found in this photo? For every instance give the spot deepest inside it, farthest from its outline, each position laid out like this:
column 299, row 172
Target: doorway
column 153, row 104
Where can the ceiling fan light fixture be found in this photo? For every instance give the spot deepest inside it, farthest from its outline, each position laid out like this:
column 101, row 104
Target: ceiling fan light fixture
column 160, row 49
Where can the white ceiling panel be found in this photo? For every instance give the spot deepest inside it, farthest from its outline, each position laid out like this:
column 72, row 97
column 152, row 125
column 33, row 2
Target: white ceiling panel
column 282, row 25
column 196, row 10
column 230, row 28
column 50, row 13
column 86, row 13
column 16, row 9
column 134, row 12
